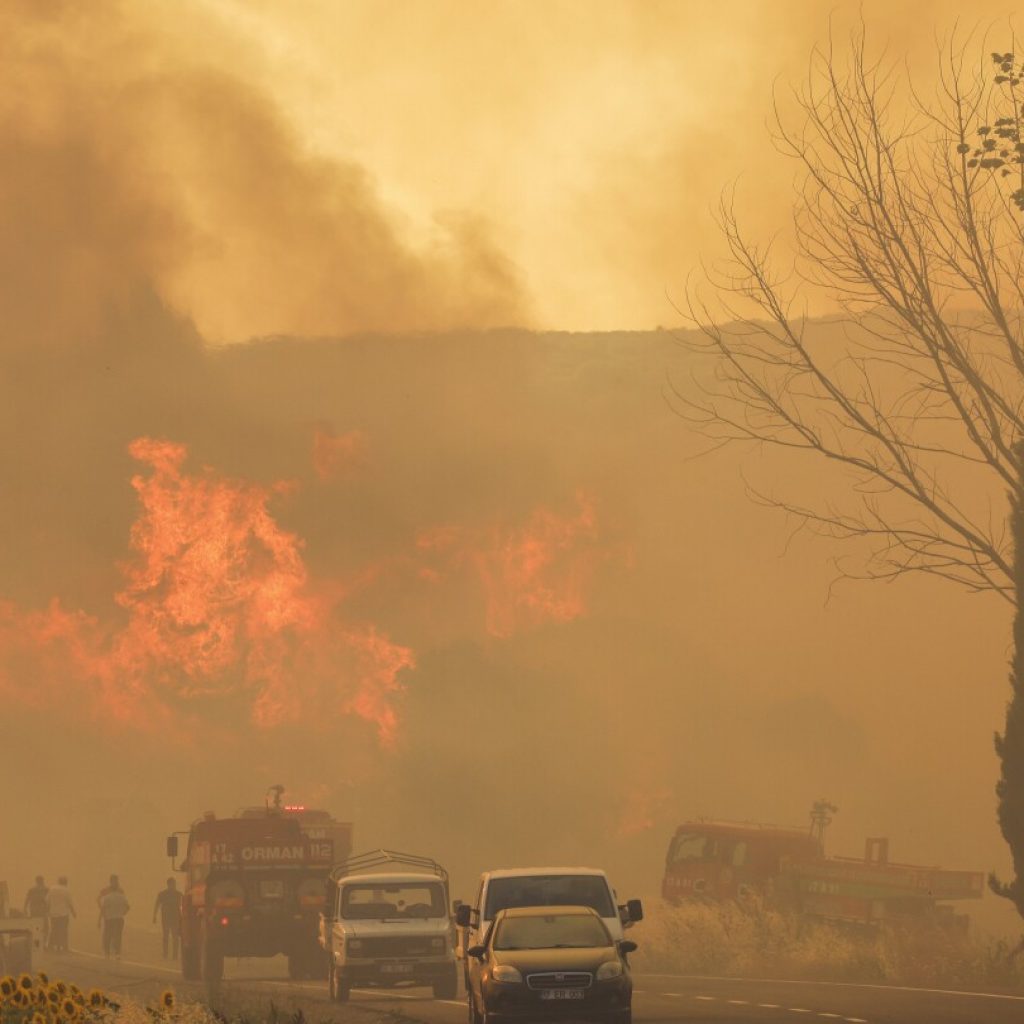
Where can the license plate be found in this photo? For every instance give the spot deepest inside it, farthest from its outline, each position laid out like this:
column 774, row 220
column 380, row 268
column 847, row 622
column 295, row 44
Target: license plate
column 396, row 968
column 562, row 993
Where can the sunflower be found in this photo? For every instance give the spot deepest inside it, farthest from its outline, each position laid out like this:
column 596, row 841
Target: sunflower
column 7, row 985
column 43, row 977
column 167, row 1000
column 37, row 1018
column 25, row 981
column 61, row 987
column 69, row 1009
column 20, row 998
column 97, row 999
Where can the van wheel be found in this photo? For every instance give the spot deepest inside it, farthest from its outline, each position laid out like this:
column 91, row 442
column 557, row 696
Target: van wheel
column 338, row 985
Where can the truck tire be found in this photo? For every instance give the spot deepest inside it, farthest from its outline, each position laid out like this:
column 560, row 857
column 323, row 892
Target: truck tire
column 189, row 962
column 447, row 987
column 212, row 959
column 338, row 985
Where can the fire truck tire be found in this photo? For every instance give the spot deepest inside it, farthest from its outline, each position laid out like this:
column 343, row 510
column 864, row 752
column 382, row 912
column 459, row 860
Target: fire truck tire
column 339, row 986
column 189, row 962
column 448, row 988
column 213, row 959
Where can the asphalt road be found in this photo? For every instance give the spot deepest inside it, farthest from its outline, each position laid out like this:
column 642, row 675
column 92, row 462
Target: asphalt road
column 251, row 987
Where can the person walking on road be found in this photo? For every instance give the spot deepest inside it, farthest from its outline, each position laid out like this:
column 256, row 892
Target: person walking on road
column 168, row 904
column 35, row 906
column 61, row 909
column 113, row 908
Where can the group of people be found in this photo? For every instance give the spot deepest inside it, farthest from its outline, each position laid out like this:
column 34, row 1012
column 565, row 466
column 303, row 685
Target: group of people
column 55, row 907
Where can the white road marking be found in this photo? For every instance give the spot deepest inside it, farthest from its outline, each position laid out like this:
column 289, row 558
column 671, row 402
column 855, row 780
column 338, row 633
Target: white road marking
column 128, row 963
column 706, row 999
column 834, row 1016
column 855, row 1020
column 768, row 1006
column 840, row 984
column 797, row 1009
column 739, row 1002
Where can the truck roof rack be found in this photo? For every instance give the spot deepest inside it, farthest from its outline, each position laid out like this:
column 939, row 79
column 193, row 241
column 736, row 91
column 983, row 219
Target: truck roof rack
column 382, row 858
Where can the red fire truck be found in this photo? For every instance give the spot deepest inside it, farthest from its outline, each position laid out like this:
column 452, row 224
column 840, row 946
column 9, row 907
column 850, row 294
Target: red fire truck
column 255, row 886
column 787, row 868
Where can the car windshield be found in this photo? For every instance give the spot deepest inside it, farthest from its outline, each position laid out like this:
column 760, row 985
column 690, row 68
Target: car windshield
column 552, row 931
column 376, row 902
column 549, row 891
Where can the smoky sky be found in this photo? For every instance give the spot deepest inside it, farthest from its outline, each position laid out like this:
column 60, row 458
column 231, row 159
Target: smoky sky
column 160, row 197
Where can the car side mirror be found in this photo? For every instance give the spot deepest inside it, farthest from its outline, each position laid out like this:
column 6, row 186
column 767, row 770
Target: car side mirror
column 477, row 952
column 626, row 946
column 172, row 847
column 463, row 915
column 635, row 910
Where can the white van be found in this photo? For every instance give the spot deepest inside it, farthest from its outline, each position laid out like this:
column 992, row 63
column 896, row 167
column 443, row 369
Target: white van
column 541, row 887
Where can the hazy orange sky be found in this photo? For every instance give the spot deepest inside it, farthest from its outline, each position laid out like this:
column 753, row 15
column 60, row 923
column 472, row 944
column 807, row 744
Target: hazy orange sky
column 547, row 164
column 588, row 139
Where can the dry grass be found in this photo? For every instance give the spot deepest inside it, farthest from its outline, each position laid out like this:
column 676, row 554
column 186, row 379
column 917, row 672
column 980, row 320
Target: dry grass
column 729, row 940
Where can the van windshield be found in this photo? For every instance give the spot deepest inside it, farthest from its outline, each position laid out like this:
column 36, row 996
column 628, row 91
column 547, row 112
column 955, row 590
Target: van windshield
column 549, row 891
column 370, row 902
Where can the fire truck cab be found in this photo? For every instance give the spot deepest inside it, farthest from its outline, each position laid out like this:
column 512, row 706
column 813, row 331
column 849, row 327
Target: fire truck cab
column 255, row 887
column 727, row 860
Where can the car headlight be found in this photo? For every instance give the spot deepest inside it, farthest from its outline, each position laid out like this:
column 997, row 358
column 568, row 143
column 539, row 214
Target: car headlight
column 437, row 944
column 609, row 969
column 506, row 974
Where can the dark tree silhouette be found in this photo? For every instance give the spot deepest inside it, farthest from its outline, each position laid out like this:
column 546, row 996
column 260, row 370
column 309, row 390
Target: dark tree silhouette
column 908, row 219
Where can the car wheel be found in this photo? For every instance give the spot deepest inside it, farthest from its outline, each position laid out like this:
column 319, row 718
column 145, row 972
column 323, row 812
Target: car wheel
column 338, row 985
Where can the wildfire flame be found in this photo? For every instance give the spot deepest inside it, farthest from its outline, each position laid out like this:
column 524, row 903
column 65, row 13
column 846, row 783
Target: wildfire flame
column 218, row 601
column 530, row 574
column 335, row 453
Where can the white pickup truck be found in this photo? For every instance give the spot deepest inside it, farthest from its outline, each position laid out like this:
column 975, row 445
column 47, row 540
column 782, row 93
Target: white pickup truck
column 386, row 922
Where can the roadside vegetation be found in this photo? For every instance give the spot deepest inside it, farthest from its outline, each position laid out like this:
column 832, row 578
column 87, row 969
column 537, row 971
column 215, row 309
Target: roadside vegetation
column 35, row 999
column 725, row 939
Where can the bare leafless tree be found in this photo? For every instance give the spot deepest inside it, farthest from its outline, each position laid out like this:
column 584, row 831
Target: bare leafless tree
column 908, row 222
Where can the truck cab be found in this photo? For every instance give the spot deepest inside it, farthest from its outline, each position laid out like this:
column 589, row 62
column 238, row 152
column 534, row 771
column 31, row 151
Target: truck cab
column 386, row 922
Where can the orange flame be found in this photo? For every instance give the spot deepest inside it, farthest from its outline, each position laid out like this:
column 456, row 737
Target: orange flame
column 218, row 602
column 334, row 453
column 531, row 574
